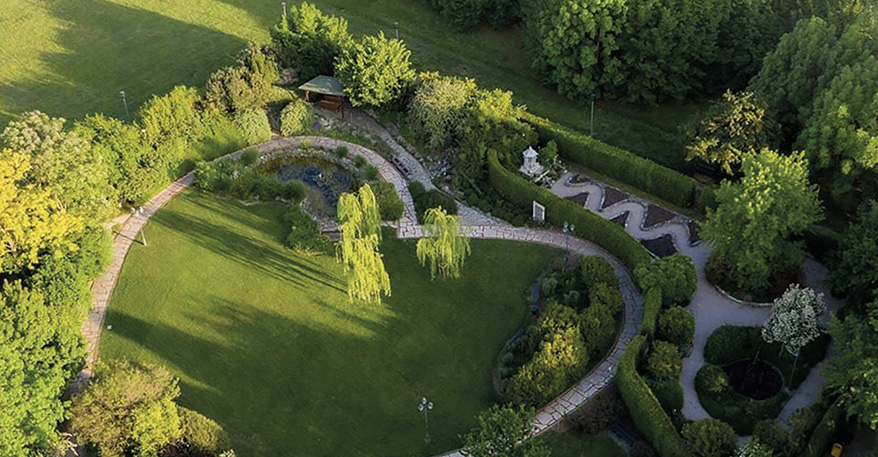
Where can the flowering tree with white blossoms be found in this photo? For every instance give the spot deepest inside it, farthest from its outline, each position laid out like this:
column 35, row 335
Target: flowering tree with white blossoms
column 793, row 320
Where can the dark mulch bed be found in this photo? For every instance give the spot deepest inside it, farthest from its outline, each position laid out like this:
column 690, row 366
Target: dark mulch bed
column 612, row 196
column 662, row 246
column 694, row 232
column 756, row 379
column 621, row 219
column 579, row 199
column 656, row 215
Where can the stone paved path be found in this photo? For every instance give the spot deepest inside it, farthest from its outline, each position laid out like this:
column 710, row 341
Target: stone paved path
column 710, row 307
column 476, row 225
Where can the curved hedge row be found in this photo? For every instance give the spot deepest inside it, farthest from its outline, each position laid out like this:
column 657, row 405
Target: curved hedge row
column 616, row 163
column 823, row 435
column 652, row 306
column 645, row 409
column 590, row 226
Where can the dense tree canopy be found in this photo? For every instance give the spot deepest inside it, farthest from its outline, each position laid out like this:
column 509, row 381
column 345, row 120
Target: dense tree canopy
column 855, row 272
column 503, row 430
column 756, row 216
column 438, row 111
column 309, row 41
column 375, row 71
column 854, row 373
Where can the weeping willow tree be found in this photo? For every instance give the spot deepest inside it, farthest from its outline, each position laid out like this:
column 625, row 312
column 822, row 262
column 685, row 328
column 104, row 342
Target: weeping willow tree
column 445, row 248
column 358, row 249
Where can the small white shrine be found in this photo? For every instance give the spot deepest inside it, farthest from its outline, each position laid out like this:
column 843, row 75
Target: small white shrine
column 531, row 167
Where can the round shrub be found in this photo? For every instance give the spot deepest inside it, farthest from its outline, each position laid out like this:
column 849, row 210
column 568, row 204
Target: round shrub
column 254, row 125
column 204, row 436
column 664, row 361
column 597, row 270
column 293, row 191
column 370, row 172
column 713, row 379
column 710, row 438
column 390, row 206
column 677, row 325
column 296, row 118
column 603, row 295
column 248, row 157
column 675, row 275
column 341, row 152
column 598, row 329
column 266, row 187
column 771, row 434
column 359, row 161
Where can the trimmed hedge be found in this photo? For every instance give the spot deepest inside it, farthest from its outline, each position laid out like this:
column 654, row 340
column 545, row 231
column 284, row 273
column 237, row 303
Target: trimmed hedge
column 616, row 163
column 824, row 434
column 646, row 411
column 652, row 305
column 590, row 226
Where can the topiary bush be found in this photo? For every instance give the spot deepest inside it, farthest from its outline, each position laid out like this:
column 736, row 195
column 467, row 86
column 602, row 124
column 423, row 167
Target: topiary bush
column 664, row 361
column 390, row 206
column 598, row 328
column 202, row 435
column 254, row 125
column 559, row 361
column 713, row 379
column 605, row 296
column 675, row 274
column 597, row 270
column 677, row 326
column 297, row 118
column 710, row 438
column 652, row 305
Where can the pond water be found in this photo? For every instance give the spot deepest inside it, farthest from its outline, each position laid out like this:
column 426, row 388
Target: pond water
column 326, row 180
column 754, row 378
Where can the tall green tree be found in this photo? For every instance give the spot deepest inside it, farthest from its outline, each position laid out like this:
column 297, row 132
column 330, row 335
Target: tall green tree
column 446, row 247
column 757, row 215
column 375, row 71
column 855, row 271
column 62, row 163
column 503, row 431
column 732, row 128
column 438, row 111
column 854, row 373
column 358, row 249
column 309, row 41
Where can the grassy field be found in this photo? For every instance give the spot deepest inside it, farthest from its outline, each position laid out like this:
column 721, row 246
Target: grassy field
column 72, row 57
column 266, row 342
column 572, row 444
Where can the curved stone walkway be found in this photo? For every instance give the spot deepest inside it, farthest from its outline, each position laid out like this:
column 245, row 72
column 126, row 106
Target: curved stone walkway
column 476, row 224
column 711, row 308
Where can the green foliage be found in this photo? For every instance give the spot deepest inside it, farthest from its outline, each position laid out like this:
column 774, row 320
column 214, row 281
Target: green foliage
column 644, row 408
column 712, row 379
column 664, row 361
column 203, row 435
column 559, row 361
column 824, row 434
column 427, row 199
column 341, row 152
column 358, row 249
column 296, row 118
column 616, row 163
column 677, row 326
column 669, row 393
column 771, row 435
column 127, row 407
column 756, row 217
column 309, row 41
column 738, row 410
column 247, row 86
column 495, row 122
column 375, row 71
column 170, row 118
column 503, row 430
column 853, row 375
column 304, row 233
column 652, row 305
column 254, row 125
column 438, row 111
column 597, row 270
column 590, row 226
column 62, row 163
column 390, row 206
column 575, row 45
column 710, row 438
column 855, row 272
column 445, row 247
column 605, row 296
column 732, row 128
column 599, row 412
column 675, row 275
column 598, row 327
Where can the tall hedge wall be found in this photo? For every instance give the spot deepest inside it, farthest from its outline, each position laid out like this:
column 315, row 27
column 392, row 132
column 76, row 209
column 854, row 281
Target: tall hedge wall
column 590, row 226
column 645, row 409
column 824, row 434
column 641, row 173
column 652, row 306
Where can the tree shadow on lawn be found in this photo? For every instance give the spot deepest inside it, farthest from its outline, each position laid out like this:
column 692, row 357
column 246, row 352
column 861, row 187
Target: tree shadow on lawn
column 252, row 253
column 108, row 47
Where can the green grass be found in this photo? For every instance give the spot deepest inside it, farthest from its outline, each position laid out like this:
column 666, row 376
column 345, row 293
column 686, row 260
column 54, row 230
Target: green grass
column 266, row 342
column 72, row 57
column 572, row 444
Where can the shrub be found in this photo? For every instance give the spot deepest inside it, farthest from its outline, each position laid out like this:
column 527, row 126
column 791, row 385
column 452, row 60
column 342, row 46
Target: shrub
column 375, row 71
column 824, row 434
column 254, row 125
column 598, row 328
column 214, row 176
column 293, row 191
column 664, row 361
column 438, row 111
column 713, row 379
column 309, row 40
column 652, row 305
column 370, row 172
column 559, row 361
column 618, row 164
column 642, row 449
column 644, row 408
column 304, row 233
column 266, row 187
column 669, row 394
column 772, row 435
column 599, row 412
column 248, row 157
column 171, row 117
column 597, row 270
column 359, row 161
column 677, row 325
column 234, row 89
column 739, row 411
column 719, row 272
column 341, row 152
column 434, row 198
column 590, row 226
column 390, row 206
column 728, row 344
column 675, row 274
column 204, row 436
column 296, row 118
column 555, row 318
column 710, row 438
column 603, row 296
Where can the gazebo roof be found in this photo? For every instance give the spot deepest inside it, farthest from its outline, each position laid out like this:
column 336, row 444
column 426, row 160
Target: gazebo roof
column 326, row 85
column 530, row 152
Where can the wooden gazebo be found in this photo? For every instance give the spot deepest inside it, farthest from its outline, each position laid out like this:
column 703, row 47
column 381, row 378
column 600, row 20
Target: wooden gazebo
column 329, row 91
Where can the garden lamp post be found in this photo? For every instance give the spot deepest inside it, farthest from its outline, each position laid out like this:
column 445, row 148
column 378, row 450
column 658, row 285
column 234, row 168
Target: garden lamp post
column 425, row 406
column 591, row 121
column 396, row 26
column 568, row 228
column 284, row 5
column 125, row 103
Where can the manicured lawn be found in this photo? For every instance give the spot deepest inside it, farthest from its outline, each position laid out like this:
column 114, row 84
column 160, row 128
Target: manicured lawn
column 266, row 342
column 72, row 57
column 572, row 444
